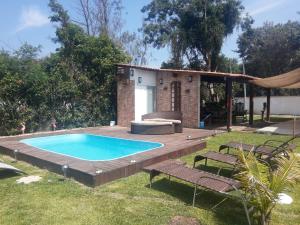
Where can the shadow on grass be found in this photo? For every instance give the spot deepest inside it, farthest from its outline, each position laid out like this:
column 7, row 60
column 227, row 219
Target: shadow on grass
column 215, row 169
column 8, row 174
column 229, row 212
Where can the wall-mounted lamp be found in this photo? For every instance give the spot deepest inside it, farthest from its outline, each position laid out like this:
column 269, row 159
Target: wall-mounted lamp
column 131, row 72
column 190, row 78
column 140, row 80
column 161, row 81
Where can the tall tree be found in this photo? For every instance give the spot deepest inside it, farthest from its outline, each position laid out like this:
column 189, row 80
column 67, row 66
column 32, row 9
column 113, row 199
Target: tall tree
column 101, row 17
column 271, row 49
column 194, row 29
column 104, row 17
column 89, row 61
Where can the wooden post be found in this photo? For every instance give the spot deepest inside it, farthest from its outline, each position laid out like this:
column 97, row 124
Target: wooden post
column 251, row 104
column 294, row 126
column 229, row 103
column 268, row 104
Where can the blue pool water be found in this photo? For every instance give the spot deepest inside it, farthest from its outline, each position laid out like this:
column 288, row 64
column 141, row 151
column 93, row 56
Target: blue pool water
column 91, row 147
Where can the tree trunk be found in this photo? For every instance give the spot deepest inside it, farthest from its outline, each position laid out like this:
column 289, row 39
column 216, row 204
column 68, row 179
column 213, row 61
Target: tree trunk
column 265, row 219
column 208, row 62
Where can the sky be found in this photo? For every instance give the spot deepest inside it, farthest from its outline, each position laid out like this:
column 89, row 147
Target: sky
column 27, row 21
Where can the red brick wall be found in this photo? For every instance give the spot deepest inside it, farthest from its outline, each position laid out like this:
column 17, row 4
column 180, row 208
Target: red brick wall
column 125, row 88
column 163, row 92
column 189, row 97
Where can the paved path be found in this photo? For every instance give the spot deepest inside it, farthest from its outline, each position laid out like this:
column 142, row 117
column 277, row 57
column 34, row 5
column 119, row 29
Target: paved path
column 282, row 128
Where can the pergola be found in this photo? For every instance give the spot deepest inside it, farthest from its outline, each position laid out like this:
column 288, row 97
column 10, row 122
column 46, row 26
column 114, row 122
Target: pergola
column 289, row 80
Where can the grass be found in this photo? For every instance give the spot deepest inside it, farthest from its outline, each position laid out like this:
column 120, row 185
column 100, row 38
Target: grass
column 275, row 118
column 125, row 201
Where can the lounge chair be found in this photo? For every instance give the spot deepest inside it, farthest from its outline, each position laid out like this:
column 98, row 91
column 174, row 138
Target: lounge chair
column 196, row 177
column 4, row 166
column 265, row 151
column 216, row 156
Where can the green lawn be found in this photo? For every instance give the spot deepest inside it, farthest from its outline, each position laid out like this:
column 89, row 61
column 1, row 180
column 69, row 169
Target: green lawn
column 126, row 201
column 275, row 118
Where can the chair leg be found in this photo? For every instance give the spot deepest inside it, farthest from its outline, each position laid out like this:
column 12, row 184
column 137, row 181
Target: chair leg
column 153, row 174
column 219, row 170
column 215, row 206
column 194, row 197
column 150, row 183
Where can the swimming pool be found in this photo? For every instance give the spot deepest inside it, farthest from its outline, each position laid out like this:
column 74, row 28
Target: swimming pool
column 91, row 147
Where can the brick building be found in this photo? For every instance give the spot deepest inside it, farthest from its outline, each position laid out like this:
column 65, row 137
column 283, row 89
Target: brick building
column 143, row 90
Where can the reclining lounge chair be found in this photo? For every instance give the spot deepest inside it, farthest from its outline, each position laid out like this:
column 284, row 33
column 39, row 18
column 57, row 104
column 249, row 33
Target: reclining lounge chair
column 265, row 150
column 196, row 177
column 4, row 166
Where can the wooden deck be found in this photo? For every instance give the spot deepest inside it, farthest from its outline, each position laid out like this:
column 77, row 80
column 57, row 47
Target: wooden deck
column 93, row 173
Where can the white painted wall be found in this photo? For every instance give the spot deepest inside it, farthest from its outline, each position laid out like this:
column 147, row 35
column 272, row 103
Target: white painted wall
column 148, row 77
column 280, row 105
column 142, row 100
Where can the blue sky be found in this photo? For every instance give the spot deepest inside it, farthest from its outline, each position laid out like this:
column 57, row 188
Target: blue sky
column 27, row 20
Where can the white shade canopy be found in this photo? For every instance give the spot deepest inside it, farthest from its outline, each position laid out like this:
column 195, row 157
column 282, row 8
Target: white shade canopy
column 289, row 80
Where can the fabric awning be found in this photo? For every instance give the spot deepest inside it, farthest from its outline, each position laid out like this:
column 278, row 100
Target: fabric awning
column 287, row 80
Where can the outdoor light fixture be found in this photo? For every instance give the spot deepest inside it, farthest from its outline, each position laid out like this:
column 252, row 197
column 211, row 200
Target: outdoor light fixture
column 140, row 80
column 132, row 161
column 131, row 72
column 161, row 81
column 189, row 137
column 190, row 78
column 99, row 171
column 64, row 169
column 16, row 151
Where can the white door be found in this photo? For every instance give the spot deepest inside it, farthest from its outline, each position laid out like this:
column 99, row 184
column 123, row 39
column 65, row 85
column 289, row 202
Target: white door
column 145, row 101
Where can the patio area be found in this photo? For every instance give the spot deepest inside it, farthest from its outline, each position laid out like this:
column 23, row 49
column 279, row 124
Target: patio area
column 93, row 173
column 128, row 201
column 285, row 128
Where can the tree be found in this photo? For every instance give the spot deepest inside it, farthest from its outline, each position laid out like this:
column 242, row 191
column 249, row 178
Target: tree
column 22, row 86
column 89, row 61
column 193, row 29
column 76, row 85
column 101, row 17
column 271, row 49
column 263, row 185
column 104, row 17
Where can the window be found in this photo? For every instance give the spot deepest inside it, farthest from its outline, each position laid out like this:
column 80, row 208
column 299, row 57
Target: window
column 176, row 96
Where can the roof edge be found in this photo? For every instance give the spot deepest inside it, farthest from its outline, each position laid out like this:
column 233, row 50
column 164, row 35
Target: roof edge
column 200, row 72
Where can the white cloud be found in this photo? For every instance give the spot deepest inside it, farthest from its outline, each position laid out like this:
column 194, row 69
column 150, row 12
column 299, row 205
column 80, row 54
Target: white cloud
column 266, row 6
column 32, row 17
